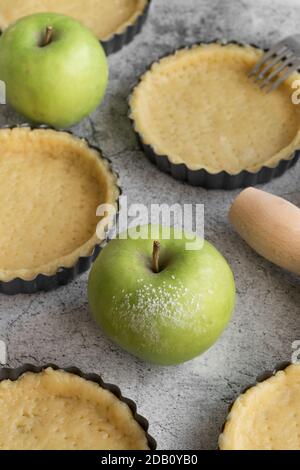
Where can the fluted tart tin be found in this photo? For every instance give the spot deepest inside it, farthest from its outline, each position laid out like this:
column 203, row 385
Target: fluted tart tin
column 119, row 40
column 203, row 177
column 266, row 375
column 14, row 374
column 64, row 274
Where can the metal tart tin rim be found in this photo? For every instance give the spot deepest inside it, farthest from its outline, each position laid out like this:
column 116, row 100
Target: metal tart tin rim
column 202, row 177
column 63, row 275
column 13, row 374
column 117, row 41
column 280, row 367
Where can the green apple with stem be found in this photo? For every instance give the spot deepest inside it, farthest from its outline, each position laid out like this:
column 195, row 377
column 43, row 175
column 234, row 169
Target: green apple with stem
column 54, row 68
column 158, row 300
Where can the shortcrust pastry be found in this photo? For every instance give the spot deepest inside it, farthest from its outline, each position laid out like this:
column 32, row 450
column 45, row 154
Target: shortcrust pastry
column 51, row 184
column 267, row 416
column 199, row 108
column 56, row 410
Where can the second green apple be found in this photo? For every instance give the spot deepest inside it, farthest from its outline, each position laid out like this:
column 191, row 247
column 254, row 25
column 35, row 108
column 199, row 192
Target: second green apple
column 54, row 68
column 157, row 299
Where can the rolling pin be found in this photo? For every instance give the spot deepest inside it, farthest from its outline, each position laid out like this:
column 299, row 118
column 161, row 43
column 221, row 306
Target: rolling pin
column 270, row 225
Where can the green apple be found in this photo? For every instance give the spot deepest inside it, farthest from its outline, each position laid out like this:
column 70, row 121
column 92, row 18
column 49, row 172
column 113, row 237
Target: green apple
column 54, row 68
column 159, row 301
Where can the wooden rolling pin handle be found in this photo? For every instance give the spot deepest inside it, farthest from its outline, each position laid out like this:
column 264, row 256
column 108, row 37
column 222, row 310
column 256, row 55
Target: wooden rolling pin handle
column 270, row 225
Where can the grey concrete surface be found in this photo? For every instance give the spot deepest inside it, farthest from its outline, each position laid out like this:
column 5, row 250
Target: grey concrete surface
column 185, row 405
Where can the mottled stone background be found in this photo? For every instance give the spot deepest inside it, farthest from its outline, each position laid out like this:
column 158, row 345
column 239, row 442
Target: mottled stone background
column 186, row 405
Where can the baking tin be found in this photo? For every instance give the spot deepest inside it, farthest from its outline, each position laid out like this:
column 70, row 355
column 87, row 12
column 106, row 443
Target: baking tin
column 15, row 374
column 118, row 41
column 202, row 177
column 63, row 276
column 261, row 378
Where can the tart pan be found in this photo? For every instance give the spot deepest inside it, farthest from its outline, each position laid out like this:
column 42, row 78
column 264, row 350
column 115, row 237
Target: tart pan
column 118, row 41
column 221, row 180
column 15, row 374
column 261, row 378
column 46, row 283
column 63, row 276
column 202, row 177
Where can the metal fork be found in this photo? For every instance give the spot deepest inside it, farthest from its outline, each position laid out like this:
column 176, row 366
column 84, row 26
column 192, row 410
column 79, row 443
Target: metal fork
column 278, row 63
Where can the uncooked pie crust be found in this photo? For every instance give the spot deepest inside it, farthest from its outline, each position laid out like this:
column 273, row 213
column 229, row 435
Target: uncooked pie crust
column 104, row 17
column 267, row 416
column 198, row 107
column 51, row 184
column 56, row 410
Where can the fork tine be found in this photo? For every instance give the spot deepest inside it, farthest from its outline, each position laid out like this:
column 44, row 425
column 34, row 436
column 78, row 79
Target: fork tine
column 279, row 48
column 283, row 77
column 277, row 70
column 272, row 64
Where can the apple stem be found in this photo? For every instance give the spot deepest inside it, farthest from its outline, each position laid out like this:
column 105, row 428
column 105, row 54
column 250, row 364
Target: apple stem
column 48, row 35
column 155, row 257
